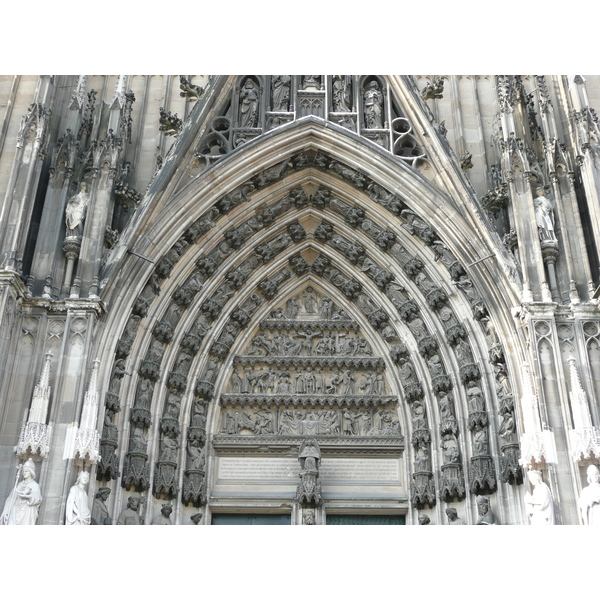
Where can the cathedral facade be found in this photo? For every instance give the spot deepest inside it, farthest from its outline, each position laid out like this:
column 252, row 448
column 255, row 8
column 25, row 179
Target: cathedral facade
column 299, row 299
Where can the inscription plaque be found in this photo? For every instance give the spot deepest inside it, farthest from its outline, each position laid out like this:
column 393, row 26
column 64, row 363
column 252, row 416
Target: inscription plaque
column 287, row 469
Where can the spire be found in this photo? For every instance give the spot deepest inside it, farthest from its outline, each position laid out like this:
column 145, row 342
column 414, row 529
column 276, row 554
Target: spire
column 87, row 439
column 41, row 394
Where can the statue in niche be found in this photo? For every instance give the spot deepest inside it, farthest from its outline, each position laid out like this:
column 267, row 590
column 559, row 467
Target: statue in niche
column 373, row 106
column 165, row 515
column 453, row 518
column 589, row 500
column 486, row 516
column 100, row 514
column 78, row 511
column 326, row 308
column 342, row 93
column 173, row 405
column 168, row 449
column 280, row 92
column 144, row 395
column 309, row 456
column 463, row 351
column 292, row 308
column 475, row 397
column 23, row 503
column 76, row 210
column 249, row 104
column 507, row 427
column 131, row 515
column 196, row 455
column 539, row 503
column 406, row 371
column 502, row 383
column 544, row 216
column 417, row 328
column 435, row 366
column 309, row 300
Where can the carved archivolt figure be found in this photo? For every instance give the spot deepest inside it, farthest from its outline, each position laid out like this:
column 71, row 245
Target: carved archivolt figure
column 589, row 500
column 539, row 504
column 373, row 106
column 249, row 104
column 23, row 503
column 78, row 512
column 76, row 209
column 544, row 216
column 165, row 515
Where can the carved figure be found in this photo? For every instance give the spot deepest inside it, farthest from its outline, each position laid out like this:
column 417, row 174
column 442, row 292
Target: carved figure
column 99, row 511
column 486, row 516
column 131, row 516
column 309, row 300
column 326, row 308
column 544, row 216
column 309, row 456
column 539, row 503
column 76, row 210
column 249, row 104
column 78, row 511
column 418, row 415
column 195, row 519
column 342, row 93
column 23, row 503
column 424, row 520
column 474, row 397
column 308, row 516
column 280, row 90
column 589, row 500
column 373, row 106
column 168, row 449
column 453, row 518
column 165, row 515
column 292, row 308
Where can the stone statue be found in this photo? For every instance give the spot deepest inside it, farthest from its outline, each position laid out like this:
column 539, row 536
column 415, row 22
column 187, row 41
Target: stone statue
column 373, row 106
column 538, row 503
column 78, row 511
column 309, row 488
column 308, row 516
column 23, row 503
column 165, row 515
column 130, row 516
column 486, row 516
column 342, row 93
column 544, row 216
column 280, row 90
column 99, row 510
column 424, row 520
column 249, row 104
column 76, row 209
column 589, row 500
column 309, row 300
column 453, row 518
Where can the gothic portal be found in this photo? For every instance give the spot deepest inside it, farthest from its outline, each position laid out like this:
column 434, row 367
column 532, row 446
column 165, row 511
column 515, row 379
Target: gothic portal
column 304, row 299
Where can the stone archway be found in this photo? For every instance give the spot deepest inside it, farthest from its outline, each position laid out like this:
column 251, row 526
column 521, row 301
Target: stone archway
column 367, row 240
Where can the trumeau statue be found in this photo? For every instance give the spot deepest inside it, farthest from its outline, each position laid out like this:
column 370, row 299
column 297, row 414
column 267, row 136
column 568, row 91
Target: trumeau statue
column 373, row 106
column 589, row 500
column 99, row 511
column 309, row 488
column 78, row 511
column 23, row 503
column 539, row 503
column 75, row 211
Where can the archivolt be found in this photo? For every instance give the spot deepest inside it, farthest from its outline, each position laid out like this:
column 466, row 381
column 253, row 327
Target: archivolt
column 351, row 214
